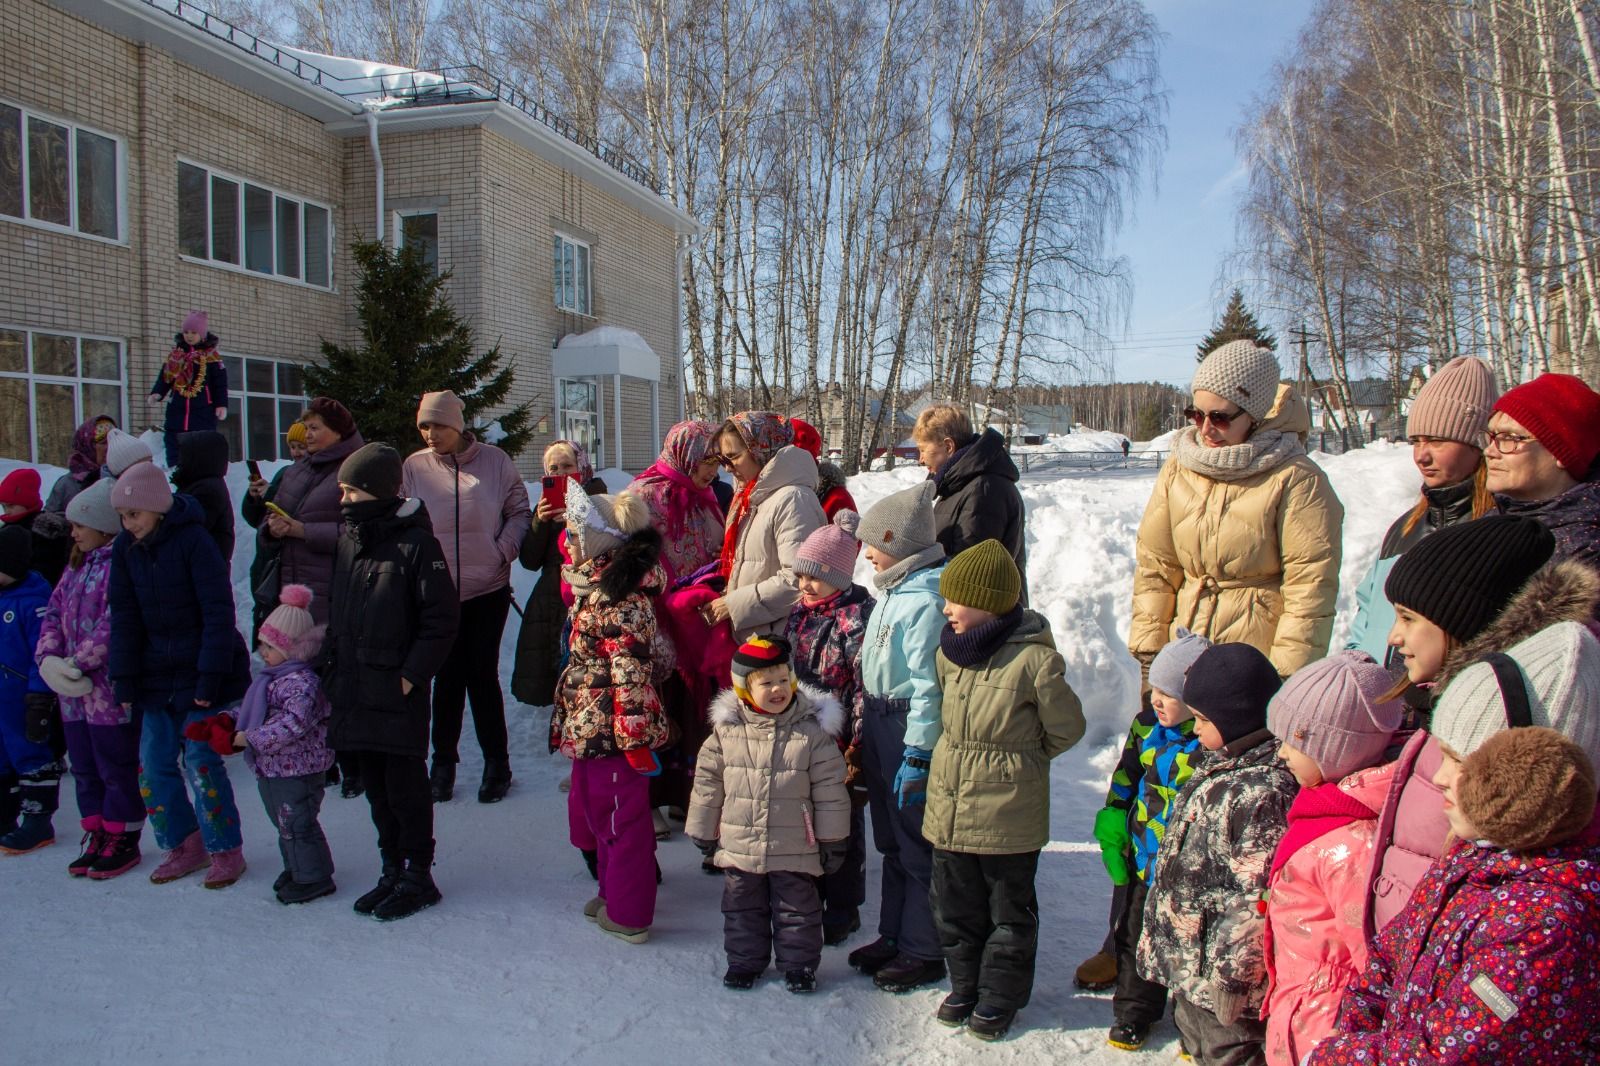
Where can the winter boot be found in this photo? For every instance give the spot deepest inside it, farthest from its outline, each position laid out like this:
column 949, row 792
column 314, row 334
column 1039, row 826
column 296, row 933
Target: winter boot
column 837, row 932
column 226, row 868
column 10, row 802
column 871, row 958
column 351, row 786
column 282, row 881
column 904, row 973
column 956, row 1009
column 182, row 860
column 442, row 781
column 1097, row 973
column 800, row 981
column 38, row 807
column 298, row 892
column 739, row 980
column 381, row 891
column 990, row 1023
column 496, row 780
column 591, row 910
column 1129, row 1036
column 630, row 933
column 414, row 891
column 94, row 842
column 120, row 855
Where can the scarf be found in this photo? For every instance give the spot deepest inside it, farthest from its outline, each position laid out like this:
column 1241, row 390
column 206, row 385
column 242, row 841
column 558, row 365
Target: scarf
column 81, row 463
column 730, row 540
column 978, row 645
column 688, row 516
column 580, row 455
column 1268, row 449
column 1316, row 812
column 185, row 368
column 888, row 579
column 253, row 711
column 584, row 577
column 763, row 433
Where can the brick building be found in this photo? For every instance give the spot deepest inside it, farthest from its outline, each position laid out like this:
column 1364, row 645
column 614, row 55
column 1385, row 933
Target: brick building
column 155, row 159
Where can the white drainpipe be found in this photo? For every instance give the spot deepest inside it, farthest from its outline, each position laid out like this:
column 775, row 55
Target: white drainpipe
column 377, row 162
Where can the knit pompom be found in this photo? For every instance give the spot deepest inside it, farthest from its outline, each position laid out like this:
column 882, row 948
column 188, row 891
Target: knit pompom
column 295, row 596
column 847, row 520
column 631, row 512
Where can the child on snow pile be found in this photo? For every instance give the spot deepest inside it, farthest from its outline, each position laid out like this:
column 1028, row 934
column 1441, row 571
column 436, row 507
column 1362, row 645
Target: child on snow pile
column 30, row 774
column 826, row 627
column 1204, row 934
column 1007, row 711
column 193, row 383
column 608, row 717
column 1158, row 759
column 899, row 727
column 282, row 729
column 176, row 657
column 1334, row 726
column 1496, row 958
column 770, row 808
column 102, row 735
column 391, row 622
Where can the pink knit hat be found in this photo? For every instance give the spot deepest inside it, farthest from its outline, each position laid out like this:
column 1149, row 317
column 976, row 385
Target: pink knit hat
column 195, row 322
column 829, row 553
column 142, row 487
column 1455, row 403
column 442, row 409
column 290, row 627
column 1333, row 711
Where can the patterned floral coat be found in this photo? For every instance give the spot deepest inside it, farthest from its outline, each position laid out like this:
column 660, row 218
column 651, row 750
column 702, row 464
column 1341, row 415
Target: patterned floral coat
column 1496, row 959
column 1204, row 935
column 605, row 702
column 827, row 650
column 77, row 626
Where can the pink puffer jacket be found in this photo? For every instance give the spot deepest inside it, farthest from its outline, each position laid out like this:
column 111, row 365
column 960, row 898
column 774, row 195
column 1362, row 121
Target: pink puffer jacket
column 1411, row 833
column 1314, row 918
column 479, row 508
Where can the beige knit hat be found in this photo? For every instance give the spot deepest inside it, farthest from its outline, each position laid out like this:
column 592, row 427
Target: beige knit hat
column 1241, row 373
column 1527, row 789
column 1455, row 403
column 1561, row 670
column 443, row 409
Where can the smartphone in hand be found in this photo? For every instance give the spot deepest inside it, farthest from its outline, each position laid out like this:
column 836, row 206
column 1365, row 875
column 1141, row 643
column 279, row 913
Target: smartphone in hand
column 254, row 468
column 554, row 495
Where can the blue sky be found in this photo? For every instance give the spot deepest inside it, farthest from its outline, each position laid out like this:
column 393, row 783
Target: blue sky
column 1215, row 56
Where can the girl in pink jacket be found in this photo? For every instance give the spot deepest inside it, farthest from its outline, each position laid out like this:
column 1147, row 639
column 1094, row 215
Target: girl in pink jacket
column 1334, row 726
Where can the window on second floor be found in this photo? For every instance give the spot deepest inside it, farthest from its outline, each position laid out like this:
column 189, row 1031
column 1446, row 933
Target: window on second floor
column 244, row 225
column 60, row 175
column 419, row 229
column 572, row 274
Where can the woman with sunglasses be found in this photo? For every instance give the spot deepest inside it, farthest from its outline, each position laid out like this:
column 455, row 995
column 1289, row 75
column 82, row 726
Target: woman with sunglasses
column 1240, row 541
column 1544, row 437
column 1446, row 427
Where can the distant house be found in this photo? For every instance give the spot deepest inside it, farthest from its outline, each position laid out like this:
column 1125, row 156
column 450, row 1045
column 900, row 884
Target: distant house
column 175, row 161
column 1040, row 420
column 835, row 415
column 1586, row 363
column 1373, row 408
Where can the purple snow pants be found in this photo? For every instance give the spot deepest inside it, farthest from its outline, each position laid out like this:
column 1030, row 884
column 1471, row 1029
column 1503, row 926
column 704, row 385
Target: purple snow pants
column 608, row 812
column 105, row 770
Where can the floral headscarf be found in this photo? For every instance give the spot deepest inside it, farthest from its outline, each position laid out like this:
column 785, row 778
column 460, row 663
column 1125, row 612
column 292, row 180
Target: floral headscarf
column 763, row 433
column 81, row 464
column 585, row 467
column 688, row 518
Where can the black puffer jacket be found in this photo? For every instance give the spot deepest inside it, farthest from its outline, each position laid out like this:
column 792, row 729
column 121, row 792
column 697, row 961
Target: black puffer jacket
column 393, row 618
column 201, row 470
column 977, row 499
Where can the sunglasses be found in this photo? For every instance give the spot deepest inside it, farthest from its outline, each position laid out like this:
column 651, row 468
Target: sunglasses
column 1220, row 419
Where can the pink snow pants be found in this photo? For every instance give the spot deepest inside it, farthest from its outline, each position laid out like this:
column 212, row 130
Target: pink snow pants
column 608, row 812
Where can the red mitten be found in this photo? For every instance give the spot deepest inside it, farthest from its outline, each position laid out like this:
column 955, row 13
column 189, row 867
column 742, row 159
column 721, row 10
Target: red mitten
column 215, row 731
column 198, row 730
column 644, row 761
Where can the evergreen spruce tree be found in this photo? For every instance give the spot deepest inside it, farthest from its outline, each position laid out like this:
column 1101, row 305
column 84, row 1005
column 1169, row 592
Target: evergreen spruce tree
column 413, row 342
column 1237, row 323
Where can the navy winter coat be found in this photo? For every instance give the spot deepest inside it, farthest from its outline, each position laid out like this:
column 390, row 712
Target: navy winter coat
column 202, row 468
column 184, row 414
column 173, row 636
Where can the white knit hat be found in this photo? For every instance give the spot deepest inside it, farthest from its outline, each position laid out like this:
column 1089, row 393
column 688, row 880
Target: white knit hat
column 124, row 450
column 1241, row 373
column 1561, row 670
column 93, row 508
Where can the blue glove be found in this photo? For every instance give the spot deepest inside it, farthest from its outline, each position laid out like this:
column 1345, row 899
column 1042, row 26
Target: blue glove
column 911, row 780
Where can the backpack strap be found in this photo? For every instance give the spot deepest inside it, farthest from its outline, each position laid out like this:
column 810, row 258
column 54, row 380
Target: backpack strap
column 1513, row 689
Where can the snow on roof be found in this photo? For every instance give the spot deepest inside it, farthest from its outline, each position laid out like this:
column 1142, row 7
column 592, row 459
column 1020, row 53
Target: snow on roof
column 386, row 84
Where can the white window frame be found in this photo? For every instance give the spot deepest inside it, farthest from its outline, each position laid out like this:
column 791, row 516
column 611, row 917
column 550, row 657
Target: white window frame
column 301, row 202
column 597, row 441
column 32, row 378
column 583, row 295
column 417, row 212
column 72, row 178
column 239, row 391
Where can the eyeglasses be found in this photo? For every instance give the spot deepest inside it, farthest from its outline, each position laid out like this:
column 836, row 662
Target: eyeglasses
column 1220, row 419
column 1509, row 443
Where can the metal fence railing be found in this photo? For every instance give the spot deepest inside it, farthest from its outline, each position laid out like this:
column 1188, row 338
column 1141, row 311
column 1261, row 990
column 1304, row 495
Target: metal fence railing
column 1048, row 464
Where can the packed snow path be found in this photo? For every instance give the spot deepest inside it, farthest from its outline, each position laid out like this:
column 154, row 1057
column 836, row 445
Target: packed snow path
column 506, row 969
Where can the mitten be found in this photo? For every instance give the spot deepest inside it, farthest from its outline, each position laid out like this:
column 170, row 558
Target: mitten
column 707, row 848
column 40, row 712
column 64, row 677
column 222, row 414
column 855, row 779
column 911, row 780
column 643, row 761
column 1111, row 830
column 833, row 854
column 215, row 731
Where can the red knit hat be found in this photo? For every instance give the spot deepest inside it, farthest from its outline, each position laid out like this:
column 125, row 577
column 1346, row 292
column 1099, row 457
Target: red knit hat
column 1563, row 413
column 21, row 486
column 806, row 437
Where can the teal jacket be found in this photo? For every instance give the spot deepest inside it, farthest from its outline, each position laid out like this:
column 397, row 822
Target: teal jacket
column 899, row 655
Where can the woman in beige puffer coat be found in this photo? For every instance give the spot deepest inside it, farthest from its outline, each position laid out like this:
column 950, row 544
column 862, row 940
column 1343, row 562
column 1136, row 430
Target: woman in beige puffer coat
column 1240, row 541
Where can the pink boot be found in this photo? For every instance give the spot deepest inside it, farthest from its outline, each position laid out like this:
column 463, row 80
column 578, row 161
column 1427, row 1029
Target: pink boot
column 182, row 860
column 226, row 868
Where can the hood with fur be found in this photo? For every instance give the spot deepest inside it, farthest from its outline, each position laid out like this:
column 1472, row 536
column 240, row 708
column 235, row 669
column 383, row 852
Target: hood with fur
column 629, row 566
column 809, row 702
column 1566, row 591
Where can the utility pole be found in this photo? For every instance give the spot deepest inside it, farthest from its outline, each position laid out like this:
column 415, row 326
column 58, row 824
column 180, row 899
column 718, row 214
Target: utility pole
column 1308, row 384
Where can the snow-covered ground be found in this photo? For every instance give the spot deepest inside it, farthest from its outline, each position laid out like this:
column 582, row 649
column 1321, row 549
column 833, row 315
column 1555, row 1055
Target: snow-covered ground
column 506, row 970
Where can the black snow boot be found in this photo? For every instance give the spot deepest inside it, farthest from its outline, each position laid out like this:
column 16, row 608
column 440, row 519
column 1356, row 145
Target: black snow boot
column 905, row 973
column 305, row 892
column 414, row 891
column 94, row 841
column 837, row 932
column 870, row 958
column 990, row 1023
column 800, row 981
column 956, row 1009
column 10, row 802
column 496, row 780
column 379, row 892
column 442, row 781
column 39, row 798
column 120, row 855
column 739, row 980
column 351, row 785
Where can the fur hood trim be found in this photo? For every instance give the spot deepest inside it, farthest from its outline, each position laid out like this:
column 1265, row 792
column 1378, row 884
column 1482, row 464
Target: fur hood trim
column 809, row 702
column 629, row 565
column 1566, row 591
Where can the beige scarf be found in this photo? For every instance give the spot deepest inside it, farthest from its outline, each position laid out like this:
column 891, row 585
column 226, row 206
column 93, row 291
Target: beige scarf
column 1269, row 448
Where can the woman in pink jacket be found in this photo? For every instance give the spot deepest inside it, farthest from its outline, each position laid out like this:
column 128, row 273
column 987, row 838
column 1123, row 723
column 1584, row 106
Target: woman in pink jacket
column 479, row 508
column 1335, row 726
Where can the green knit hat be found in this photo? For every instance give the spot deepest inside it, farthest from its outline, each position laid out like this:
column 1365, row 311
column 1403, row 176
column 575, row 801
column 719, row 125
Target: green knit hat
column 983, row 576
